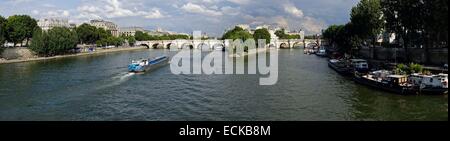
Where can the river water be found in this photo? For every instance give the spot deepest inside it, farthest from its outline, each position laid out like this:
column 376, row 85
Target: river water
column 99, row 88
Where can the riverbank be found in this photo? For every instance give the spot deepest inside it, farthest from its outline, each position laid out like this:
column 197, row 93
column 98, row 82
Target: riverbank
column 98, row 51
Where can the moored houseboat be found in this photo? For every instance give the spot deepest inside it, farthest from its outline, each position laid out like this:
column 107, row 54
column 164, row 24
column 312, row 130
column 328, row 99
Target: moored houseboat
column 360, row 65
column 386, row 81
column 430, row 84
column 341, row 66
column 322, row 52
column 350, row 66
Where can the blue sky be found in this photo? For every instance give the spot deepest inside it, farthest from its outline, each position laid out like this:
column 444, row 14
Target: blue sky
column 211, row 16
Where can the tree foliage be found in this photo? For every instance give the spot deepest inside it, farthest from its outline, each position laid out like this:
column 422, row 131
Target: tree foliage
column 332, row 33
column 110, row 41
column 367, row 19
column 19, row 28
column 40, row 43
column 343, row 36
column 262, row 33
column 417, row 23
column 282, row 35
column 87, row 34
column 237, row 33
column 141, row 36
column 408, row 69
column 56, row 41
column 2, row 31
column 130, row 39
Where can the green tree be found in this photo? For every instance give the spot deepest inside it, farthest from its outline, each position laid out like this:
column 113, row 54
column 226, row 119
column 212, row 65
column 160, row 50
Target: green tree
column 435, row 20
column 102, row 33
column 61, row 40
column 87, row 34
column 262, row 34
column 101, row 43
column 237, row 33
column 282, row 35
column 331, row 33
column 110, row 41
column 130, row 39
column 56, row 41
column 116, row 41
column 141, row 36
column 2, row 32
column 19, row 28
column 343, row 37
column 417, row 23
column 367, row 19
column 40, row 43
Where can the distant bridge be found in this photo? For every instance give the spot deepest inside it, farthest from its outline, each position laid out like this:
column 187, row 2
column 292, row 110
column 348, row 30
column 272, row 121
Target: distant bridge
column 212, row 44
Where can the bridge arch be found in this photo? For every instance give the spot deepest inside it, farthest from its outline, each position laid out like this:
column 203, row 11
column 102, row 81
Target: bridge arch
column 284, row 45
column 145, row 45
column 187, row 46
column 204, row 46
column 272, row 46
column 218, row 46
column 170, row 46
column 297, row 44
column 157, row 46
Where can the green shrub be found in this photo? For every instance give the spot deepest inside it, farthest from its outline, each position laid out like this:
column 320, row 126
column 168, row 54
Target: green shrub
column 406, row 70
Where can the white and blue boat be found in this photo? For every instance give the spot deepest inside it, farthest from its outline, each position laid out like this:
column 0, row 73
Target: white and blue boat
column 147, row 64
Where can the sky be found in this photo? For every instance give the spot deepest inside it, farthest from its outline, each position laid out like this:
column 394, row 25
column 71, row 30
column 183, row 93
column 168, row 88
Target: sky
column 185, row 16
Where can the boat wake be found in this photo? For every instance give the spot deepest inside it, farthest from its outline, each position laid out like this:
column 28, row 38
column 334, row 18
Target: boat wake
column 116, row 80
column 125, row 76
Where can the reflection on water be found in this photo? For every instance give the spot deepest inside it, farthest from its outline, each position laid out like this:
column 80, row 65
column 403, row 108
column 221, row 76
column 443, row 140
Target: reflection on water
column 99, row 88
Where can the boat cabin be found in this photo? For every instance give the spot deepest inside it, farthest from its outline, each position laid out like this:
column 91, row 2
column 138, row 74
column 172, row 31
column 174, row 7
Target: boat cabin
column 381, row 73
column 416, row 79
column 430, row 81
column 398, row 80
column 360, row 65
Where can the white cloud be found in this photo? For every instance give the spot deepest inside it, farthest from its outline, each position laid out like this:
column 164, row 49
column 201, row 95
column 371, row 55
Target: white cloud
column 66, row 13
column 199, row 9
column 240, row 2
column 294, row 11
column 230, row 10
column 88, row 9
column 154, row 14
column 114, row 9
column 48, row 5
column 51, row 14
column 18, row 1
column 35, row 12
column 312, row 25
column 207, row 1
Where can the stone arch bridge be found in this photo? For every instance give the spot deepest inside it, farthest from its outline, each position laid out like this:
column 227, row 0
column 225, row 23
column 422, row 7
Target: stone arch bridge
column 213, row 44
